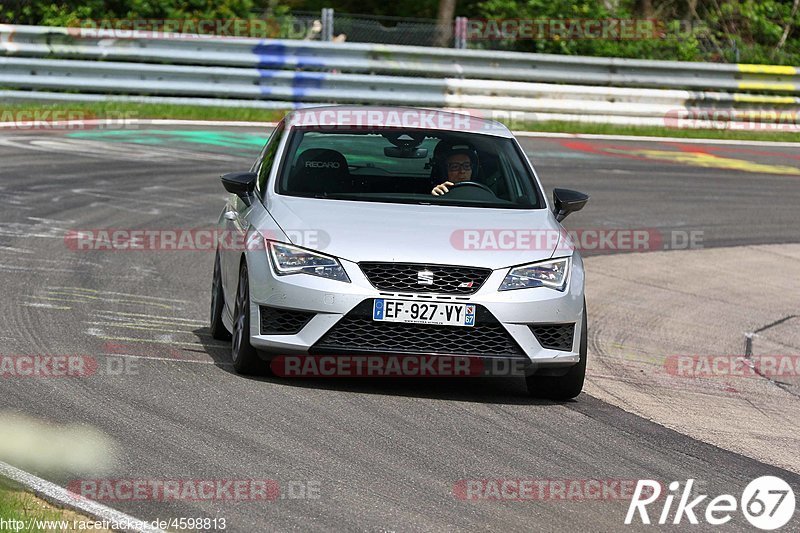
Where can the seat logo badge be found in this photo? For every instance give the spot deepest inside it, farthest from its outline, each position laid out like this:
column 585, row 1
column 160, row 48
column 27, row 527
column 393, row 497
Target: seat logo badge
column 465, row 285
column 425, row 277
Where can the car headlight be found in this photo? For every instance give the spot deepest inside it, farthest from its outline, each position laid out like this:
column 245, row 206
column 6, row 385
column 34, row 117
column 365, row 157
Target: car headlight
column 552, row 273
column 288, row 259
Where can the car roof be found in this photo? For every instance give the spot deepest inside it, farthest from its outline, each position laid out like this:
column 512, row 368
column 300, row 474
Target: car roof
column 396, row 117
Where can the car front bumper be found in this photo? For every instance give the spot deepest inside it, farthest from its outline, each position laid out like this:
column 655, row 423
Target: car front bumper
column 331, row 301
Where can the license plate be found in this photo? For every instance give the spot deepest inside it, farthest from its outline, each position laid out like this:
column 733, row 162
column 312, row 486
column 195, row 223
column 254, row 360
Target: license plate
column 412, row 312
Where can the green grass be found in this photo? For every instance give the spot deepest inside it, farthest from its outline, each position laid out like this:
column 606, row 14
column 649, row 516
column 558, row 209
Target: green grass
column 117, row 110
column 19, row 505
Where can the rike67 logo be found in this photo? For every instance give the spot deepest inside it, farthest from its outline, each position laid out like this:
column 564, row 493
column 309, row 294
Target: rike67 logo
column 767, row 502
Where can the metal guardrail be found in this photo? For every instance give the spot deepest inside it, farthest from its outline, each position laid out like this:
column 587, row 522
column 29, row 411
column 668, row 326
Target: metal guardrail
column 215, row 69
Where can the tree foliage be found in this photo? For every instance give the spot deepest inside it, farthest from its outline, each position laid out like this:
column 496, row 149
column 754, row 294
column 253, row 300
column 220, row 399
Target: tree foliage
column 746, row 31
column 65, row 12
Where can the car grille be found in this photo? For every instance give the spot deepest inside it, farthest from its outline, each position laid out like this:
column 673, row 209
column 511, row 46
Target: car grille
column 405, row 277
column 554, row 336
column 275, row 321
column 356, row 333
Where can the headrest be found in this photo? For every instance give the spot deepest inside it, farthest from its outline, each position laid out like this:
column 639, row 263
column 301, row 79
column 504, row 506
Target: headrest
column 320, row 170
column 320, row 160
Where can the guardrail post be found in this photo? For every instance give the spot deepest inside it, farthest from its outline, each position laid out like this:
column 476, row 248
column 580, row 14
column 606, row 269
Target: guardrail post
column 460, row 40
column 327, row 24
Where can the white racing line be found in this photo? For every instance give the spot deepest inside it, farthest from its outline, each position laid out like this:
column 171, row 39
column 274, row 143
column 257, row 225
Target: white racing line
column 63, row 498
column 599, row 136
column 170, row 359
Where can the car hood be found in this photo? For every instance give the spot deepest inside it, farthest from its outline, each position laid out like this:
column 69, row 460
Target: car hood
column 371, row 231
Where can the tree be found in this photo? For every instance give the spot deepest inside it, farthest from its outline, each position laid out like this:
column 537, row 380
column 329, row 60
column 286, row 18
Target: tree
column 447, row 10
column 788, row 27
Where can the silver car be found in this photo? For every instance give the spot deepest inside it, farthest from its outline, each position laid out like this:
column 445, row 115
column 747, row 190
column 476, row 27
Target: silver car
column 404, row 233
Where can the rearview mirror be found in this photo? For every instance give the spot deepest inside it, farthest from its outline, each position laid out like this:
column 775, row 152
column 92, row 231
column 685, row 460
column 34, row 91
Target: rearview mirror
column 405, row 153
column 240, row 183
column 566, row 201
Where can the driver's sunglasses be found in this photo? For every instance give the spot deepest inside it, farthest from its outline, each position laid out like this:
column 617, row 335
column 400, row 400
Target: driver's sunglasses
column 455, row 167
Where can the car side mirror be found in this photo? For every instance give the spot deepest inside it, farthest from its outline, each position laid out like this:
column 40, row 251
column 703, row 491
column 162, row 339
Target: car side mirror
column 566, row 201
column 240, row 183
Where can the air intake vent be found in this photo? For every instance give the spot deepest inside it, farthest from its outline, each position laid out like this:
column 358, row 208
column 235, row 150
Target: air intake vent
column 356, row 332
column 275, row 321
column 554, row 336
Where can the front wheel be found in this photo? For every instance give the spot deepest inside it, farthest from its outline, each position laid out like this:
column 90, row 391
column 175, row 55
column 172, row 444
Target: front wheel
column 244, row 357
column 563, row 387
column 218, row 329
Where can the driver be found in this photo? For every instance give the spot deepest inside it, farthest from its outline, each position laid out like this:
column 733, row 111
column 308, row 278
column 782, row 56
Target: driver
column 459, row 165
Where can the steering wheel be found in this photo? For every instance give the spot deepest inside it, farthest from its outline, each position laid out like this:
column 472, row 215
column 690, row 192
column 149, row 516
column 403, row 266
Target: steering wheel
column 471, row 184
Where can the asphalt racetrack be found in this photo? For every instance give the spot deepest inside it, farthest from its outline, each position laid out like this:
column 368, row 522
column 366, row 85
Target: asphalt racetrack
column 355, row 455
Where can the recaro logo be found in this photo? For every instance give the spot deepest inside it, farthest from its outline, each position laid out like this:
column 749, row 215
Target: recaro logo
column 425, row 277
column 322, row 164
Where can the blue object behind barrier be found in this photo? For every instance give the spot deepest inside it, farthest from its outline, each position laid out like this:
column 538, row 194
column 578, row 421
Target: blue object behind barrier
column 301, row 81
column 272, row 54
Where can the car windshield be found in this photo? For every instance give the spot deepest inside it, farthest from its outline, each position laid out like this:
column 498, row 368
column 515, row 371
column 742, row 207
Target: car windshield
column 404, row 166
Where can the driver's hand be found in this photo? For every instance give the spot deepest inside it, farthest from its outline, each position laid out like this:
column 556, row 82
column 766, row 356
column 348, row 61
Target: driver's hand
column 442, row 188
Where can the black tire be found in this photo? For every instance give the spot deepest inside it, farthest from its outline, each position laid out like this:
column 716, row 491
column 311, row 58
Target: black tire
column 218, row 329
column 243, row 356
column 563, row 387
